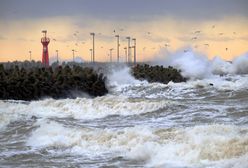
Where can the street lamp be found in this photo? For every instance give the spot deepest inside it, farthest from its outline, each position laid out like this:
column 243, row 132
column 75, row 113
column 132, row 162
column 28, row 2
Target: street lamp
column 91, row 59
column 125, row 48
column 93, row 40
column 118, row 46
column 128, row 48
column 134, row 50
column 73, row 54
column 57, row 51
column 110, row 54
column 30, row 55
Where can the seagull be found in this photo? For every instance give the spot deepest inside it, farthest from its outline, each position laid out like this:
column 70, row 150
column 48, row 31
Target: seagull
column 206, row 44
column 196, row 46
column 167, row 45
column 54, row 39
column 149, row 33
column 226, row 49
column 221, row 34
column 197, row 31
column 213, row 26
column 194, row 38
column 75, row 34
column 114, row 31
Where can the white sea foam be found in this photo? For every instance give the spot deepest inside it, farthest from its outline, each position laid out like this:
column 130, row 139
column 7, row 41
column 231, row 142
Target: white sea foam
column 198, row 66
column 197, row 146
column 80, row 108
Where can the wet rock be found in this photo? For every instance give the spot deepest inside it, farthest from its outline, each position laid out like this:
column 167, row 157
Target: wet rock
column 35, row 83
column 157, row 74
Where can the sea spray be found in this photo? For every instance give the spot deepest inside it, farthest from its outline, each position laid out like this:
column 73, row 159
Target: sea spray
column 240, row 64
column 197, row 66
column 194, row 66
column 122, row 77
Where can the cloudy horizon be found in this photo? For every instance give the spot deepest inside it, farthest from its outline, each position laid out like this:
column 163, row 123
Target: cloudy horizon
column 215, row 28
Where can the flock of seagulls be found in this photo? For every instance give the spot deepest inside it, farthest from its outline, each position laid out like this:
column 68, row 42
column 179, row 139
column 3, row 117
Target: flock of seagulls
column 197, row 35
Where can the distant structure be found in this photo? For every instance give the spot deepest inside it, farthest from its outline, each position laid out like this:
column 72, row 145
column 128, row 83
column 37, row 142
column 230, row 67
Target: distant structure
column 125, row 48
column 91, row 56
column 57, row 51
column 93, row 46
column 45, row 56
column 110, row 54
column 128, row 50
column 118, row 47
column 134, row 50
column 30, row 55
column 73, row 55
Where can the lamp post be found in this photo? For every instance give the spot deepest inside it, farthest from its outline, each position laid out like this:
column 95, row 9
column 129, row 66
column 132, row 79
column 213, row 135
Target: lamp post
column 110, row 54
column 30, row 55
column 57, row 51
column 93, row 47
column 134, row 50
column 128, row 49
column 73, row 55
column 118, row 46
column 125, row 48
column 91, row 59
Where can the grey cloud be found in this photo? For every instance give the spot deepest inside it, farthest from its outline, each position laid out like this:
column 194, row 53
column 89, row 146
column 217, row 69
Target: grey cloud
column 123, row 10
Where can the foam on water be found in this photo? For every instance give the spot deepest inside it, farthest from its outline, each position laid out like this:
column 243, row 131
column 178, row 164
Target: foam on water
column 206, row 145
column 80, row 108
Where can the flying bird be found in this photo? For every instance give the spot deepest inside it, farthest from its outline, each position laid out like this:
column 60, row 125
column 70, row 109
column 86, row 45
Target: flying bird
column 213, row 26
column 226, row 49
column 197, row 31
column 149, row 33
column 206, row 44
column 194, row 38
column 221, row 34
column 54, row 39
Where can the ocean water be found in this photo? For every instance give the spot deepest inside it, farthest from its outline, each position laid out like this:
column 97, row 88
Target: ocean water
column 202, row 123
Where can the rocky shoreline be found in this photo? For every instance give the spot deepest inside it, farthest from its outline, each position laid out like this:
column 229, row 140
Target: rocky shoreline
column 157, row 74
column 36, row 83
column 71, row 81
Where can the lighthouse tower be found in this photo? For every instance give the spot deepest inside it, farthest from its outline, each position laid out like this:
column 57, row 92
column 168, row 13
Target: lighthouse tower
column 45, row 57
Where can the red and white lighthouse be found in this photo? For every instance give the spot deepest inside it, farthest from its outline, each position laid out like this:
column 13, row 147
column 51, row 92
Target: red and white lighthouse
column 45, row 56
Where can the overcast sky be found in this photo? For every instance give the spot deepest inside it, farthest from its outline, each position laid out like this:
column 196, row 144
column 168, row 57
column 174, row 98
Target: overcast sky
column 220, row 24
column 123, row 9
